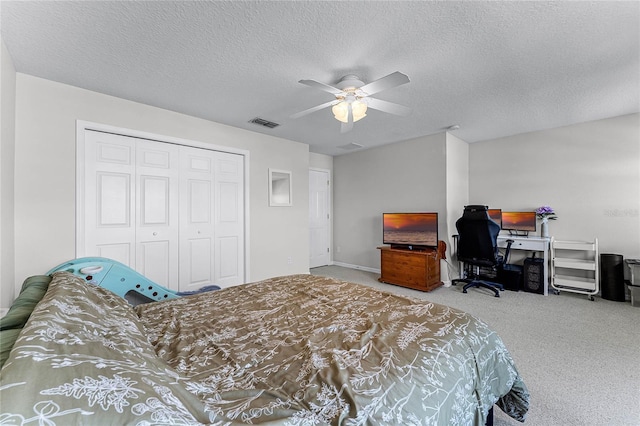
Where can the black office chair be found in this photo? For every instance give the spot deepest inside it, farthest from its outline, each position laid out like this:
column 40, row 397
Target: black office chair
column 478, row 247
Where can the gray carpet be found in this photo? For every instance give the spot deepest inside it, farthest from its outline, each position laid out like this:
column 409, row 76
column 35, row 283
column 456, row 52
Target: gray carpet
column 580, row 359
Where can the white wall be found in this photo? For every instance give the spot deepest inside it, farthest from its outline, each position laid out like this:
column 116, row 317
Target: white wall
column 457, row 189
column 7, row 151
column 407, row 176
column 46, row 114
column 457, row 192
column 589, row 173
column 320, row 161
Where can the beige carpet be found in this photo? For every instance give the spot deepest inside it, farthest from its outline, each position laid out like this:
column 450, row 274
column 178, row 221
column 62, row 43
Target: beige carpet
column 580, row 359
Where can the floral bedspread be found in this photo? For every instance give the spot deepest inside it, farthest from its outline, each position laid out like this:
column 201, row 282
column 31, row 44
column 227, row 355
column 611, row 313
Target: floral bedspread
column 294, row 350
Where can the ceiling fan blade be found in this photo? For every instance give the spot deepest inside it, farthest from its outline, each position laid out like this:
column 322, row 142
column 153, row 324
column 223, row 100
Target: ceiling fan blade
column 321, row 86
column 389, row 107
column 315, row 108
column 392, row 80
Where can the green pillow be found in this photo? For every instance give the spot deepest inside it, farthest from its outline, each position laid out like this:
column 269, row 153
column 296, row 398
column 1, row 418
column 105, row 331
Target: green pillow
column 7, row 339
column 32, row 292
column 36, row 280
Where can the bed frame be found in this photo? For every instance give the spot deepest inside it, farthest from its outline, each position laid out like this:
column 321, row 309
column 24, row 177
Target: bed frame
column 122, row 280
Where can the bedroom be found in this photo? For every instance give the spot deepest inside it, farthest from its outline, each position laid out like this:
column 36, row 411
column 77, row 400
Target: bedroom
column 553, row 173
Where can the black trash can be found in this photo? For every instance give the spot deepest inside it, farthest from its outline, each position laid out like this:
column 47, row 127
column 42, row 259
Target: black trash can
column 510, row 276
column 612, row 277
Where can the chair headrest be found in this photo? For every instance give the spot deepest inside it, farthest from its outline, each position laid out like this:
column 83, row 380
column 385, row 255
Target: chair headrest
column 474, row 208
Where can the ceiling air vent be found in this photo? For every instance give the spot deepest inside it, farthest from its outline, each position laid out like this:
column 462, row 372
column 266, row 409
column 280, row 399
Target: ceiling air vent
column 351, row 146
column 262, row 122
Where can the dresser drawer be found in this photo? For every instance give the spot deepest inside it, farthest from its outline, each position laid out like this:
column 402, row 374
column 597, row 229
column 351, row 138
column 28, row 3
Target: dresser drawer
column 419, row 270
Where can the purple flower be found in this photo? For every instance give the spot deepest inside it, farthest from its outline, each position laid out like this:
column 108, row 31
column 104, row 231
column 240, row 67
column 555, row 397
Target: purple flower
column 545, row 212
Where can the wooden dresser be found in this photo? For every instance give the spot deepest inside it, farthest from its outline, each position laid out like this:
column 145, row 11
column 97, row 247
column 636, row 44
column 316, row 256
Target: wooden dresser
column 416, row 269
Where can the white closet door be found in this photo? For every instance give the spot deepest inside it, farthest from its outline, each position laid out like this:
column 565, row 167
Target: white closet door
column 157, row 171
column 109, row 208
column 171, row 212
column 229, row 219
column 197, row 182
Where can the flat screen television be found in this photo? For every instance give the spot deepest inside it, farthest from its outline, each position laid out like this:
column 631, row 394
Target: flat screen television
column 519, row 222
column 495, row 215
column 410, row 230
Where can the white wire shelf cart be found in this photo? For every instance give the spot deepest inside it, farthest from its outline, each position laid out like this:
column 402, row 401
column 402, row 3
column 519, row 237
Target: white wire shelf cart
column 575, row 267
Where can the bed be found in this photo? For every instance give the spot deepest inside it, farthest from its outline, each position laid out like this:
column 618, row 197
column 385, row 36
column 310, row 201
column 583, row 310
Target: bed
column 292, row 350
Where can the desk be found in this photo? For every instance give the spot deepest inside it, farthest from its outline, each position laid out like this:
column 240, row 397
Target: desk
column 530, row 244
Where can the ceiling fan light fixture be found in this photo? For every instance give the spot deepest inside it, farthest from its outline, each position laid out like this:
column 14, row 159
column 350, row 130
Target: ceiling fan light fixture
column 341, row 110
column 353, row 97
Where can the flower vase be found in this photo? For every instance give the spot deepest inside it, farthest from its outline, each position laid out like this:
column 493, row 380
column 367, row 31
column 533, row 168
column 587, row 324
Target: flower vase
column 544, row 228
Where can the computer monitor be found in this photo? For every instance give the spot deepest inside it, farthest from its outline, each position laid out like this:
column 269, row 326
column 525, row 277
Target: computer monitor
column 519, row 222
column 495, row 215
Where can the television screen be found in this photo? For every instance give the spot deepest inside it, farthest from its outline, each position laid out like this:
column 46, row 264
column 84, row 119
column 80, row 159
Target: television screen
column 519, row 221
column 495, row 215
column 410, row 229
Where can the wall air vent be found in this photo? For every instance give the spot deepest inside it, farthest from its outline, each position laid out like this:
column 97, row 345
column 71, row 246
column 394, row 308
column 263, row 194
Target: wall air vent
column 263, row 122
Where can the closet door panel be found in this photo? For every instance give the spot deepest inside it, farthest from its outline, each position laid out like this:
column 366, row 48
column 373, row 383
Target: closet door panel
column 200, row 255
column 229, row 219
column 196, row 218
column 154, row 206
column 154, row 261
column 109, row 210
column 113, row 199
column 120, row 252
column 229, row 268
column 157, row 225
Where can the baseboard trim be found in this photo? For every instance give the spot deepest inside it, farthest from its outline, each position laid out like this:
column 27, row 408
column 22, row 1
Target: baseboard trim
column 361, row 268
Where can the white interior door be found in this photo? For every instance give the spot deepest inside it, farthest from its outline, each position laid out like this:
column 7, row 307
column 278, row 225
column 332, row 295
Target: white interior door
column 319, row 220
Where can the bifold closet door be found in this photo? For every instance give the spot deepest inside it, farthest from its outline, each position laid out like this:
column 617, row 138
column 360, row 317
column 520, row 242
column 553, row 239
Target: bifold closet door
column 173, row 213
column 157, row 218
column 229, row 219
column 109, row 228
column 131, row 210
column 197, row 182
column 212, row 218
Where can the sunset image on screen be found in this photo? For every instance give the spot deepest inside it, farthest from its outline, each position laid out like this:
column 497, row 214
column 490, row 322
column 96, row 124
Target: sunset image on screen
column 521, row 221
column 495, row 215
column 411, row 228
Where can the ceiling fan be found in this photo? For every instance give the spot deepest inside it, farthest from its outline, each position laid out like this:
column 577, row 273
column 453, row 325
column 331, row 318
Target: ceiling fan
column 353, row 97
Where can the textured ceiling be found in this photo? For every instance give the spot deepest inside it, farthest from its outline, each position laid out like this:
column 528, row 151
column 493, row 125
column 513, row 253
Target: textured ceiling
column 494, row 68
